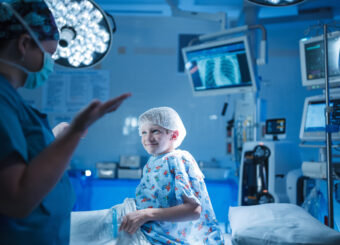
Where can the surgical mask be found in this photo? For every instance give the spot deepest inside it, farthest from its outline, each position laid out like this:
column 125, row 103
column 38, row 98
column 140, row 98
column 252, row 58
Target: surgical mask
column 34, row 79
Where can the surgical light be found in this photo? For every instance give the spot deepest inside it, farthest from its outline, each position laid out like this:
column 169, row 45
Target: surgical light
column 275, row 3
column 85, row 32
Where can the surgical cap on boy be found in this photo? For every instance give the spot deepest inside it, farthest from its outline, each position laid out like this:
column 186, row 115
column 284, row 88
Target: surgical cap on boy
column 35, row 13
column 165, row 117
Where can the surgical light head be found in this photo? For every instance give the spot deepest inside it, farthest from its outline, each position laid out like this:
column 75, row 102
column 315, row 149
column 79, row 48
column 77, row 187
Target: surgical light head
column 85, row 32
column 165, row 117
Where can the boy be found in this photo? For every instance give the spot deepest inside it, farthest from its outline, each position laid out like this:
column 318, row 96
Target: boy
column 173, row 205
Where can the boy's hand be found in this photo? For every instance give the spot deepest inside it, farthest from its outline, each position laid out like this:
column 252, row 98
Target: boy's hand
column 132, row 221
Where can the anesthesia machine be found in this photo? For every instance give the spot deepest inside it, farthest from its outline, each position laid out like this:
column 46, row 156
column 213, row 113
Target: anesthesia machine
column 265, row 166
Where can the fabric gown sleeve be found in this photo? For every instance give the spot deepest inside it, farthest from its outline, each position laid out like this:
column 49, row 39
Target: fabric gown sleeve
column 11, row 133
column 186, row 182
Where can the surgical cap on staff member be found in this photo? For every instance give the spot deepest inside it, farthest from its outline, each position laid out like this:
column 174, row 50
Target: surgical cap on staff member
column 35, row 13
column 165, row 117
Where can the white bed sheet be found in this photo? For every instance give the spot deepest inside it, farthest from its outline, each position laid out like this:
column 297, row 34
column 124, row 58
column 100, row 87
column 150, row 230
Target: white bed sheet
column 278, row 224
column 227, row 239
column 98, row 227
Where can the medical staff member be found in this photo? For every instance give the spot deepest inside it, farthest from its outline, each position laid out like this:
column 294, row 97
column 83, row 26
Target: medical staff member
column 36, row 197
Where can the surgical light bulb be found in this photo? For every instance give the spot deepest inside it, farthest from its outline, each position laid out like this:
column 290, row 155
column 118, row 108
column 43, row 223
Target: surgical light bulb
column 74, row 8
column 84, row 30
column 274, row 1
column 64, row 52
column 55, row 56
column 72, row 19
column 60, row 9
column 86, row 6
column 84, row 17
column 100, row 47
column 96, row 16
column 60, row 21
column 88, row 60
column 104, row 36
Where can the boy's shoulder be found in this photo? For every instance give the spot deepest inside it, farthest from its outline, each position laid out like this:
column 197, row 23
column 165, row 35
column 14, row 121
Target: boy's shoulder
column 179, row 154
column 186, row 160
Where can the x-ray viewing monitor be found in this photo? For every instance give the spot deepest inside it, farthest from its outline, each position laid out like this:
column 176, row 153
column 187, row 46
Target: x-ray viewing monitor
column 313, row 119
column 313, row 62
column 220, row 67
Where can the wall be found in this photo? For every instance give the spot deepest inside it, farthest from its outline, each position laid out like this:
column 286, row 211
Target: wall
column 143, row 60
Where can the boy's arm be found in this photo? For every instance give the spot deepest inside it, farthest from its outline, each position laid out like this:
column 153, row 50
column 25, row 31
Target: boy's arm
column 189, row 210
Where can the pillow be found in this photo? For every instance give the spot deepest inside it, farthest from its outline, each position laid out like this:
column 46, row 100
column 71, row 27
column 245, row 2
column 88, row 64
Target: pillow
column 278, row 223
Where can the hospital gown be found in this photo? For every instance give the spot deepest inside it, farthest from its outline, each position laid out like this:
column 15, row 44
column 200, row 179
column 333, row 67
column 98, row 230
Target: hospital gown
column 166, row 178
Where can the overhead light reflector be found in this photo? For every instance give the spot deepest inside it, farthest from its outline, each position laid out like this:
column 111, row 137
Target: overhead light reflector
column 276, row 3
column 85, row 32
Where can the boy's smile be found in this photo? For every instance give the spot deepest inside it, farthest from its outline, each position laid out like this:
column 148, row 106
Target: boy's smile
column 156, row 140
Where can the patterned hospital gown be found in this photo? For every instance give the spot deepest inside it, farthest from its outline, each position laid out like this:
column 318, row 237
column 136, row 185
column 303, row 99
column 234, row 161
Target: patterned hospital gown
column 165, row 179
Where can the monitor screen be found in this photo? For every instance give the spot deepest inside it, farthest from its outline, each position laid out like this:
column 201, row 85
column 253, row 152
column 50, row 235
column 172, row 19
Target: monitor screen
column 313, row 119
column 313, row 61
column 221, row 67
column 276, row 126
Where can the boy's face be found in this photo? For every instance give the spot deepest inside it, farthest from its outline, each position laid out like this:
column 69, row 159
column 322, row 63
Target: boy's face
column 156, row 139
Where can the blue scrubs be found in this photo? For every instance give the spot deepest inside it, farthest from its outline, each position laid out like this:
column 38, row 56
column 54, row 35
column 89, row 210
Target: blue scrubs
column 26, row 132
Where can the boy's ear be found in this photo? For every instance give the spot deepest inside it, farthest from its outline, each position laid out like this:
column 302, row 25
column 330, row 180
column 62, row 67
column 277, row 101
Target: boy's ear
column 174, row 135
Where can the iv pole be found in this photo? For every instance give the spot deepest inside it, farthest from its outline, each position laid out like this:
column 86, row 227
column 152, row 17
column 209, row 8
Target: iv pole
column 328, row 135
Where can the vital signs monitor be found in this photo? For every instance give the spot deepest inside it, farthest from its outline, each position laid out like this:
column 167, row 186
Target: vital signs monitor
column 313, row 119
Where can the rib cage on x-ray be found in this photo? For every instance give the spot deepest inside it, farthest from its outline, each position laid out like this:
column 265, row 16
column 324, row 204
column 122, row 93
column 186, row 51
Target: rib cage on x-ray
column 219, row 71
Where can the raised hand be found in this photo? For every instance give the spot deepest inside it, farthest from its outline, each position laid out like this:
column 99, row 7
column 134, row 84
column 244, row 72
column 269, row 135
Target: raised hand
column 95, row 110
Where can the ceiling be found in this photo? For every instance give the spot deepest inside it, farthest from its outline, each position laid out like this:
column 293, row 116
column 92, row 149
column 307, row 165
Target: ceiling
column 236, row 10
